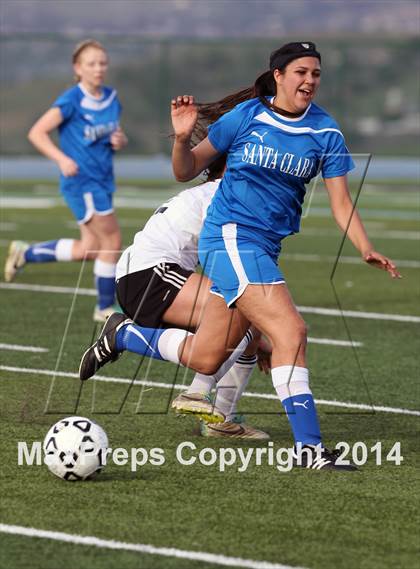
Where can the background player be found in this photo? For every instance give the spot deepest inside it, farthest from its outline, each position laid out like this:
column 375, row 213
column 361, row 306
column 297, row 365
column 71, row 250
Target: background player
column 87, row 117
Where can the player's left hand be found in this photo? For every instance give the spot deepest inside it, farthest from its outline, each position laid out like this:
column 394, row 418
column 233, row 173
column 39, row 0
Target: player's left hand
column 381, row 262
column 118, row 139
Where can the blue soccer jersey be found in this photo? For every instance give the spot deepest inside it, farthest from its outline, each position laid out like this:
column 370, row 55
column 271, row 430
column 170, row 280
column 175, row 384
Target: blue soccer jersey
column 270, row 159
column 85, row 133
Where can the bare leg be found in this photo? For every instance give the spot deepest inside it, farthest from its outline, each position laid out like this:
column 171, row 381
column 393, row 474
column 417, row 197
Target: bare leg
column 220, row 331
column 187, row 308
column 108, row 235
column 87, row 246
column 271, row 310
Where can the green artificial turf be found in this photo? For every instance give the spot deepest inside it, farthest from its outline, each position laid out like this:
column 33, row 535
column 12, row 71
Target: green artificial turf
column 298, row 518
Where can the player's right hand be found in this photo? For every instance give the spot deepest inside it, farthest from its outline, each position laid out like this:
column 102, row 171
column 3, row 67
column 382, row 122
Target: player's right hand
column 184, row 116
column 68, row 167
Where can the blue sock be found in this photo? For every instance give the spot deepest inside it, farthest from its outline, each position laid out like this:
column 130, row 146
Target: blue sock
column 303, row 418
column 41, row 252
column 106, row 291
column 104, row 283
column 142, row 341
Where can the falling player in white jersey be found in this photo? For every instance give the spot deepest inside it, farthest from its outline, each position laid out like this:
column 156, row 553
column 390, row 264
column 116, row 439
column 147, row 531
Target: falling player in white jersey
column 157, row 285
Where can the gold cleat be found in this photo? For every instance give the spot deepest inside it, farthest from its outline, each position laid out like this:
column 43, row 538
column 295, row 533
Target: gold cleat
column 15, row 259
column 235, row 429
column 198, row 405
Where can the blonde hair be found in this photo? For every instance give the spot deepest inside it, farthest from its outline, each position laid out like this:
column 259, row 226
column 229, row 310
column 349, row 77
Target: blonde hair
column 81, row 47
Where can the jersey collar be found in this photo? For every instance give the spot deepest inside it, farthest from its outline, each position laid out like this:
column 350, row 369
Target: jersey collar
column 88, row 95
column 288, row 119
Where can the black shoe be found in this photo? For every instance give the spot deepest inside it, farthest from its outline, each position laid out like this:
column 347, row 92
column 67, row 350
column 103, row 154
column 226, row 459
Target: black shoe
column 104, row 349
column 320, row 459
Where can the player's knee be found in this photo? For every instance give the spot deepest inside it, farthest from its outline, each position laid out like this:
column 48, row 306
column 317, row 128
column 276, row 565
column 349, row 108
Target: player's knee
column 111, row 242
column 292, row 338
column 206, row 368
column 302, row 331
column 298, row 335
column 207, row 365
column 213, row 363
column 85, row 250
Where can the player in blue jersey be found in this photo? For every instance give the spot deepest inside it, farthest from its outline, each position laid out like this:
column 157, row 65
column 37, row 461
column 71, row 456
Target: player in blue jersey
column 87, row 117
column 276, row 140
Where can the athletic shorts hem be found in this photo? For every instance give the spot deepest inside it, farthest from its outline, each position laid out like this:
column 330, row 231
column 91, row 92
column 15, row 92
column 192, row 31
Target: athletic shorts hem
column 146, row 295
column 231, row 303
column 106, row 212
column 87, row 218
column 91, row 201
column 90, row 214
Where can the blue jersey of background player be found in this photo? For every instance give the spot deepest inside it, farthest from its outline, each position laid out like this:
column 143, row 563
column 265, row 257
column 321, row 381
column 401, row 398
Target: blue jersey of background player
column 85, row 133
column 87, row 118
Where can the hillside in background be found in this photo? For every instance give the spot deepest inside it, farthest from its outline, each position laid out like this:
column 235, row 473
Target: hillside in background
column 370, row 84
column 216, row 19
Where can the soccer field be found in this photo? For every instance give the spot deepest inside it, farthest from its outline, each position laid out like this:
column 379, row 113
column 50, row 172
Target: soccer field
column 364, row 359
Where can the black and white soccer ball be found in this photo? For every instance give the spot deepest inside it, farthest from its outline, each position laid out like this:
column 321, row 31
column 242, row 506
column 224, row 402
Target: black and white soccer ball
column 75, row 448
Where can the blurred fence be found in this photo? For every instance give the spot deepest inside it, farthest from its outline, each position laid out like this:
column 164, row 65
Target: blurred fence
column 369, row 84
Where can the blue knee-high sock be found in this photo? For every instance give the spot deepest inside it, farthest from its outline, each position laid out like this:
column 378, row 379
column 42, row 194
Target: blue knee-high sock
column 41, row 252
column 105, row 283
column 303, row 418
column 106, row 291
column 140, row 340
column 292, row 386
column 48, row 251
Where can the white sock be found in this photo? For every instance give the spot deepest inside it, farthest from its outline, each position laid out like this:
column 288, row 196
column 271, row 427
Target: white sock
column 231, row 386
column 202, row 384
column 290, row 380
column 169, row 342
column 64, row 249
column 104, row 269
column 205, row 383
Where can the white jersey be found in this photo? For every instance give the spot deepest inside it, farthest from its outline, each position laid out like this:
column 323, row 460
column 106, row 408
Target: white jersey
column 171, row 234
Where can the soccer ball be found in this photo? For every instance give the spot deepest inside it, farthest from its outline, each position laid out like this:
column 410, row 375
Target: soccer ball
column 74, row 448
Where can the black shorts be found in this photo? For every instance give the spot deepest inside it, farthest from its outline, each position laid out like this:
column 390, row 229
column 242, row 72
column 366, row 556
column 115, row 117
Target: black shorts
column 146, row 295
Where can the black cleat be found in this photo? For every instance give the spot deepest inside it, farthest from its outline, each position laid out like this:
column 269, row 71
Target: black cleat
column 318, row 458
column 104, row 349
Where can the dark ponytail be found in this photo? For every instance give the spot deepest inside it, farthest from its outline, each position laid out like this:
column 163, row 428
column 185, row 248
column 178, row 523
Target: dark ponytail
column 208, row 113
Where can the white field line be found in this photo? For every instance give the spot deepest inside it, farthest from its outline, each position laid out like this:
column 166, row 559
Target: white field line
column 306, row 309
column 7, row 226
column 252, row 394
column 331, row 342
column 313, row 258
column 48, row 288
column 29, row 202
column 142, row 548
column 384, row 234
column 19, row 348
column 358, row 314
column 391, row 214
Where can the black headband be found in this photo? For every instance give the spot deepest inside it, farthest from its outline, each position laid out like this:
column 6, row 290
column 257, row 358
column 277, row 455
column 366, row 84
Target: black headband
column 290, row 51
